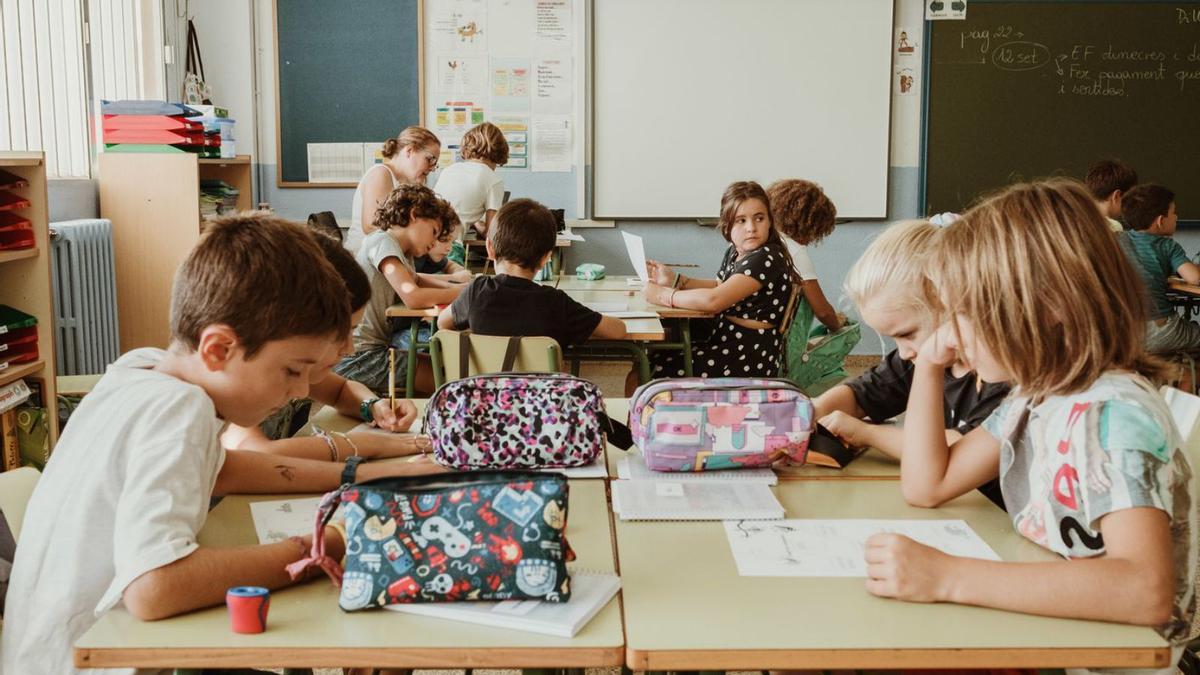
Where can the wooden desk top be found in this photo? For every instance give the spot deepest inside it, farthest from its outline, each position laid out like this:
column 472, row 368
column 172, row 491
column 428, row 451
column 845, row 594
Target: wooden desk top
column 305, row 628
column 685, row 606
column 871, row 465
column 569, row 282
column 1179, row 285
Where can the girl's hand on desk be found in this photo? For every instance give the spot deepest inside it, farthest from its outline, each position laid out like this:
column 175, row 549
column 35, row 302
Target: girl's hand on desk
column 853, row 431
column 660, row 273
column 399, row 420
column 417, row 465
column 657, row 295
column 898, row 567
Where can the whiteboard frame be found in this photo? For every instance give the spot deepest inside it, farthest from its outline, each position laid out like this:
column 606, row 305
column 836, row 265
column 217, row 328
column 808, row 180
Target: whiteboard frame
column 600, row 209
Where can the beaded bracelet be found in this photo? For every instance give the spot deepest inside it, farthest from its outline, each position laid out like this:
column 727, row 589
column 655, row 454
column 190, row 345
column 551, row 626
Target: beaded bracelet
column 321, row 433
column 348, row 442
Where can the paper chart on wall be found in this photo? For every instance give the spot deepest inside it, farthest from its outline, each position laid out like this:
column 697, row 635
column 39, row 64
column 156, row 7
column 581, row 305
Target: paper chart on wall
column 461, row 76
column 553, row 24
column 451, row 120
column 335, row 162
column 510, row 85
column 458, row 26
column 836, row 548
column 554, row 82
column 551, row 143
column 516, row 131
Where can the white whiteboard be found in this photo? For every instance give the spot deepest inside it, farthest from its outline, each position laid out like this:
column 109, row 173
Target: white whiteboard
column 691, row 95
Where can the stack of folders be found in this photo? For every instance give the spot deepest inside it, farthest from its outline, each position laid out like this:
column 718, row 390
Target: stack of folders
column 642, row 494
column 590, row 592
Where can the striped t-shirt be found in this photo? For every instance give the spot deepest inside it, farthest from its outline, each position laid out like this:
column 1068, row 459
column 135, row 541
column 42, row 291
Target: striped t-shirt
column 1155, row 258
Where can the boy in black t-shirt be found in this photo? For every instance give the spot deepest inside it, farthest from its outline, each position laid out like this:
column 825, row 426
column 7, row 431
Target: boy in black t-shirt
column 521, row 240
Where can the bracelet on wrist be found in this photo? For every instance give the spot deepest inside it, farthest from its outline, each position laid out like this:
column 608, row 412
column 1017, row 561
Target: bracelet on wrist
column 364, row 409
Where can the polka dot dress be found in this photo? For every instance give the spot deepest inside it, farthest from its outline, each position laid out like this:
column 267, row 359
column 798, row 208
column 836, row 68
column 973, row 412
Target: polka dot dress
column 735, row 351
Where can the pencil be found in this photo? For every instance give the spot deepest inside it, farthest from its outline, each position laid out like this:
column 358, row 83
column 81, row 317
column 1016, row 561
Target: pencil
column 392, row 378
column 679, row 264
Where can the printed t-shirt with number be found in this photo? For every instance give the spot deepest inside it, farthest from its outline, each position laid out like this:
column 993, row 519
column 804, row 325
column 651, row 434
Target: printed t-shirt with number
column 1070, row 460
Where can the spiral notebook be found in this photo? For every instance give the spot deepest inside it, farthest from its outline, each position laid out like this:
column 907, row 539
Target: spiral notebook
column 590, row 592
column 665, row 500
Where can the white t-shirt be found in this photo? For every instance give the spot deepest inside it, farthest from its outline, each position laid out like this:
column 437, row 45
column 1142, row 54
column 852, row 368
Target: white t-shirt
column 472, row 189
column 125, row 491
column 355, row 235
column 803, row 263
column 373, row 330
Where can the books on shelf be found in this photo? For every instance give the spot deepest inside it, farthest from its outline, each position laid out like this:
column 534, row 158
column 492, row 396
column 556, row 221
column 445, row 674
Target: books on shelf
column 590, row 592
column 672, row 500
column 13, row 394
column 217, row 198
column 10, row 446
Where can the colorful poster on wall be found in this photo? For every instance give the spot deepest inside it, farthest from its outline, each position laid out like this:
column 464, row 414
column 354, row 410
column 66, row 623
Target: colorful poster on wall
column 451, row 120
column 510, row 85
column 516, row 132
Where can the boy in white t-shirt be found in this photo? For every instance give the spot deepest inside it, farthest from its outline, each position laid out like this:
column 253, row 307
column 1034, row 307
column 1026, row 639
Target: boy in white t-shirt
column 472, row 186
column 805, row 215
column 255, row 307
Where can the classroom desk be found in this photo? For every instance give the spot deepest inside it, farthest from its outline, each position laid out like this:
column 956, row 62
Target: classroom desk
column 639, row 330
column 556, row 260
column 871, row 465
column 685, row 606
column 620, row 282
column 305, row 628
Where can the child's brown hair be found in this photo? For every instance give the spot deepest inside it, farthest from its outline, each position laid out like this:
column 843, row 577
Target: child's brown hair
column 801, row 210
column 264, row 277
column 417, row 137
column 485, row 141
column 523, row 232
column 1045, row 285
column 737, row 193
column 411, row 200
column 1106, row 176
column 1142, row 205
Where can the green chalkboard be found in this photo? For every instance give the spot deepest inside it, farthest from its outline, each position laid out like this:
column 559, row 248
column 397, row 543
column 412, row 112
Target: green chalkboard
column 348, row 72
column 1022, row 90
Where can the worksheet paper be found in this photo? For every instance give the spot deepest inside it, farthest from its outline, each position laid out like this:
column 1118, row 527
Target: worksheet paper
column 634, row 467
column 637, row 254
column 836, row 548
column 277, row 520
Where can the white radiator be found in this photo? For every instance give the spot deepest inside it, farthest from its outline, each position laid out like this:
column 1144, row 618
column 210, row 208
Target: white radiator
column 85, row 296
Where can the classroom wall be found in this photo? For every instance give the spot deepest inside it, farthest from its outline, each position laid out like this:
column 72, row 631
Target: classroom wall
column 684, row 242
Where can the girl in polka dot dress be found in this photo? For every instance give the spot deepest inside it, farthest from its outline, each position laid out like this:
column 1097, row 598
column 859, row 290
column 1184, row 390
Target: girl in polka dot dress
column 749, row 296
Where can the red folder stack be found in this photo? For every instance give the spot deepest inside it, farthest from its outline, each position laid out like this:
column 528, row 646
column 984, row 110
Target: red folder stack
column 18, row 337
column 16, row 232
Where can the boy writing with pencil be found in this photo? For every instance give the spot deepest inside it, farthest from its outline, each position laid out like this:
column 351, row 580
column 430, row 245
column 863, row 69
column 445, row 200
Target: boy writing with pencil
column 115, row 516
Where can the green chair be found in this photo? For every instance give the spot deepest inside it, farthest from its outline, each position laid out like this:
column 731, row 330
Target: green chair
column 458, row 354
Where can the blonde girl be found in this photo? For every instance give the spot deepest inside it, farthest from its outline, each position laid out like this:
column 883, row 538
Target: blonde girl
column 407, row 158
column 886, row 284
column 1033, row 288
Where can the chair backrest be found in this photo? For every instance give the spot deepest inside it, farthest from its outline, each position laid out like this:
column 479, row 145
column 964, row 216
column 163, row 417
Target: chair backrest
column 16, row 486
column 491, row 354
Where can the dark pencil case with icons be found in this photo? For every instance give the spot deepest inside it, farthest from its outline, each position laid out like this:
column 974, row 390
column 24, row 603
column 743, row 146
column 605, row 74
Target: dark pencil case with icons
column 484, row 535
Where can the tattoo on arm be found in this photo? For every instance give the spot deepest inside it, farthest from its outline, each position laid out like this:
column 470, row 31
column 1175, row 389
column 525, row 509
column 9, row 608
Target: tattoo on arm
column 286, row 471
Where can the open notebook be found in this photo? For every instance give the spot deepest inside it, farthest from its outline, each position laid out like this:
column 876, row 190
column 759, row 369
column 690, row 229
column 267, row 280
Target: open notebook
column 664, row 500
column 590, row 592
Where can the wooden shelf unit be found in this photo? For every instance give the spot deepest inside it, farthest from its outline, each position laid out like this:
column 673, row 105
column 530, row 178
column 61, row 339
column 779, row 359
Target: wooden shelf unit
column 153, row 201
column 25, row 279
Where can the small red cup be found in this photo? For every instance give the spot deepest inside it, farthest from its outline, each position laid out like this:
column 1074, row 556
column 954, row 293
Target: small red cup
column 248, row 607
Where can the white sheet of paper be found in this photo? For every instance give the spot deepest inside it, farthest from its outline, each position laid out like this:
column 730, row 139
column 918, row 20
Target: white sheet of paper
column 607, row 307
column 637, row 254
column 835, row 548
column 631, row 281
column 416, row 427
column 552, row 143
column 335, row 162
column 277, row 520
column 571, row 236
